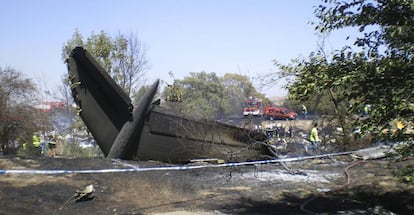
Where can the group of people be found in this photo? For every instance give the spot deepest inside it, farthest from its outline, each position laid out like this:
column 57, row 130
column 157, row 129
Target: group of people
column 49, row 142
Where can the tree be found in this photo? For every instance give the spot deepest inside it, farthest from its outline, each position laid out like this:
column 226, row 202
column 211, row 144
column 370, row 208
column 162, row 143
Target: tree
column 239, row 85
column 140, row 93
column 101, row 47
column 205, row 95
column 238, row 88
column 122, row 57
column 18, row 119
column 380, row 73
column 130, row 63
column 77, row 40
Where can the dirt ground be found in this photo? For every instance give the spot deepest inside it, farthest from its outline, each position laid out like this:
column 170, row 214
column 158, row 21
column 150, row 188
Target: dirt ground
column 318, row 186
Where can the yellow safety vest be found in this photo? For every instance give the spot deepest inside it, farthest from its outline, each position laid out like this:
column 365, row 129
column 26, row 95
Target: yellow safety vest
column 313, row 136
column 36, row 141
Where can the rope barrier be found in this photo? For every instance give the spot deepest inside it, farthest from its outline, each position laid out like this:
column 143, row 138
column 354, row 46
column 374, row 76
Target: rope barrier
column 169, row 168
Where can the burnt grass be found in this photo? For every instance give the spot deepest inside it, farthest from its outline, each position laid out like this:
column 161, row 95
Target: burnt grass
column 250, row 189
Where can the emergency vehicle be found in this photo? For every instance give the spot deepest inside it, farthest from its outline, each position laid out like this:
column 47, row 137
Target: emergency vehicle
column 273, row 113
column 48, row 106
column 253, row 106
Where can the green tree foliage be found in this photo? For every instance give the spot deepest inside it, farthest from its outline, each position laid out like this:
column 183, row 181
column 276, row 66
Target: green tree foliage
column 238, row 88
column 381, row 73
column 77, row 40
column 203, row 96
column 140, row 93
column 18, row 119
column 207, row 96
column 101, row 46
column 316, row 104
column 74, row 150
column 123, row 57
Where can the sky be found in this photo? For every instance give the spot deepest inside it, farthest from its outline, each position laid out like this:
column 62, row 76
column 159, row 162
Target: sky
column 181, row 36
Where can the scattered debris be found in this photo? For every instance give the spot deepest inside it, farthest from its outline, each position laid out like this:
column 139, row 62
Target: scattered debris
column 380, row 151
column 372, row 153
column 81, row 195
column 208, row 160
column 276, row 155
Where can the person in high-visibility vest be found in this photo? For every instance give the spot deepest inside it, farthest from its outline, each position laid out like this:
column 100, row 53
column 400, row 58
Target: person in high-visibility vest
column 36, row 142
column 313, row 138
column 304, row 111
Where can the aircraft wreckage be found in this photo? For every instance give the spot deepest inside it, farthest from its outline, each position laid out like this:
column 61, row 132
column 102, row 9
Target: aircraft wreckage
column 148, row 131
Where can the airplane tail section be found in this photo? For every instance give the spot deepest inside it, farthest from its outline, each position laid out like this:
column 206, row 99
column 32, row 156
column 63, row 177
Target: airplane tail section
column 103, row 105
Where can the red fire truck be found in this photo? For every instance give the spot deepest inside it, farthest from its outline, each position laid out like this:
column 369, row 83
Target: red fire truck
column 252, row 106
column 48, row 106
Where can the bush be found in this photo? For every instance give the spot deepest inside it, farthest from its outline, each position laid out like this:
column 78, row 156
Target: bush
column 28, row 151
column 75, row 151
column 406, row 175
column 64, row 149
